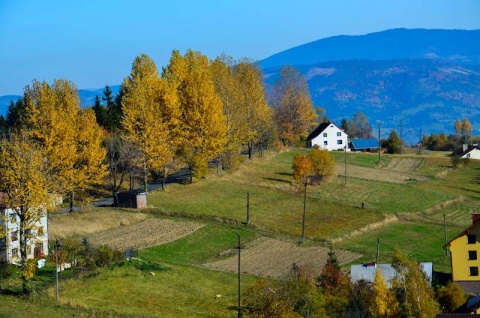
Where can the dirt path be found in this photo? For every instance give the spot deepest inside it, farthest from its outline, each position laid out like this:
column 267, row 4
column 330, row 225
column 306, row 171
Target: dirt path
column 274, row 258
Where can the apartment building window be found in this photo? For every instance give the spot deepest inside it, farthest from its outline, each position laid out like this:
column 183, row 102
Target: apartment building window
column 339, row 134
column 324, row 134
column 339, row 142
column 472, row 238
column 472, row 255
column 14, row 236
column 473, row 271
column 14, row 252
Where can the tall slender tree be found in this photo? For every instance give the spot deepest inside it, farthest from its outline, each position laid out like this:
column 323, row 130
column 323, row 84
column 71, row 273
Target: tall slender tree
column 203, row 133
column 24, row 181
column 141, row 121
column 294, row 111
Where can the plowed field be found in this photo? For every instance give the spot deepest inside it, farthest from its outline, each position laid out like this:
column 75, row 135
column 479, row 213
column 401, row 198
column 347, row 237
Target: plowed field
column 275, row 258
column 148, row 233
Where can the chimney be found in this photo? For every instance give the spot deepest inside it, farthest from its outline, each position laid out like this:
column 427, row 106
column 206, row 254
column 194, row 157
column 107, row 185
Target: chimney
column 465, row 147
column 475, row 218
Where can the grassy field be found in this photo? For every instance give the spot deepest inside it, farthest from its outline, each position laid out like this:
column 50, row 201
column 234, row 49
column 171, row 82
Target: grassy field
column 406, row 215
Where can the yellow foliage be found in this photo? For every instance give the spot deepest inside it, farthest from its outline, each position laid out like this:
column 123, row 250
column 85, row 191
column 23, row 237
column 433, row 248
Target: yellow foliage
column 302, row 167
column 323, row 163
column 383, row 303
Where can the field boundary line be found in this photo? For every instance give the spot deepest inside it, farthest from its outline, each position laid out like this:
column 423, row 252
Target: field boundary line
column 387, row 220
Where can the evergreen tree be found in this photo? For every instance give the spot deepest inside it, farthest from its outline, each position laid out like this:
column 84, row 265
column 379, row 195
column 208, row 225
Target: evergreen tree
column 15, row 114
column 100, row 112
column 394, row 143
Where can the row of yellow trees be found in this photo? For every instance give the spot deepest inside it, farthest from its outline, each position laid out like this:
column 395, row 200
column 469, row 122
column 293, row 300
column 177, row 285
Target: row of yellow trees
column 194, row 111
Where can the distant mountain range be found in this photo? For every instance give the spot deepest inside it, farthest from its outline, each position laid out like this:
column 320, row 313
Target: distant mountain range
column 407, row 80
column 403, row 79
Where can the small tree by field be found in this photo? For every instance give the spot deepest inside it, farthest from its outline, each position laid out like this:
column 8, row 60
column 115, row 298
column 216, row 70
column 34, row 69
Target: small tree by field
column 323, row 164
column 394, row 143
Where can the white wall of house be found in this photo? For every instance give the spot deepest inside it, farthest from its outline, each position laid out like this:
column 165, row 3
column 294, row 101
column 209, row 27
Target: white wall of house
column 473, row 154
column 331, row 138
column 10, row 245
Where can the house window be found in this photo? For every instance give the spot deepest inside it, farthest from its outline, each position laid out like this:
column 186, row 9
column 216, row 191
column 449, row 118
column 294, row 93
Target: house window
column 339, row 142
column 472, row 255
column 473, row 271
column 325, row 143
column 339, row 133
column 324, row 134
column 472, row 238
column 14, row 252
column 14, row 236
column 468, row 155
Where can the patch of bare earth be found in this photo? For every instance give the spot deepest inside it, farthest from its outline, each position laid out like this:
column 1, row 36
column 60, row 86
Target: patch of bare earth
column 86, row 223
column 378, row 174
column 148, row 233
column 274, row 258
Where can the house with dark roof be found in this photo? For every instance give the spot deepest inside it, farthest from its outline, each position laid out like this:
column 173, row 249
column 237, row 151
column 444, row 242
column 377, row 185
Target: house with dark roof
column 370, row 144
column 468, row 152
column 328, row 136
column 464, row 250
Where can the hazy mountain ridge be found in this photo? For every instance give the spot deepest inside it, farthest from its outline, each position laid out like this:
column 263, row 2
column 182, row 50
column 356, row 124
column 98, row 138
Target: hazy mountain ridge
column 455, row 45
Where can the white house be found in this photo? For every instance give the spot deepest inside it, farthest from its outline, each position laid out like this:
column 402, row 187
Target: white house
column 328, row 136
column 10, row 244
column 470, row 152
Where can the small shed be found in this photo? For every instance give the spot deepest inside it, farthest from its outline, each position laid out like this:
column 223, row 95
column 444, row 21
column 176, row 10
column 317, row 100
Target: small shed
column 132, row 199
column 368, row 144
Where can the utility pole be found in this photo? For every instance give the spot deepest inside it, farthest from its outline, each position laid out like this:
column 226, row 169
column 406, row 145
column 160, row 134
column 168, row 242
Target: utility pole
column 248, row 207
column 57, row 246
column 346, row 163
column 445, row 231
column 239, row 247
column 378, row 251
column 304, row 208
column 379, row 144
column 420, row 142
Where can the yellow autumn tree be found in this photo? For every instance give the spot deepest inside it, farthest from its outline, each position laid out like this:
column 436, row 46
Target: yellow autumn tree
column 302, row 168
column 203, row 133
column 383, row 303
column 256, row 118
column 71, row 141
column 323, row 164
column 142, row 120
column 25, row 184
column 294, row 111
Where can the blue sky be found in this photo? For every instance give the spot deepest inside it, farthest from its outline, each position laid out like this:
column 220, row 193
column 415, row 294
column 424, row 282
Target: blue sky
column 93, row 43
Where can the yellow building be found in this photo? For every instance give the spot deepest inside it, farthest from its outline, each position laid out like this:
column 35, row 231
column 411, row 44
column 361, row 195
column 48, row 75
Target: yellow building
column 464, row 257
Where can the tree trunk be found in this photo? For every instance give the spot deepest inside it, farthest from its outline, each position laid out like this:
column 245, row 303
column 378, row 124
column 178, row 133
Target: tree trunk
column 250, row 149
column 72, row 197
column 26, row 288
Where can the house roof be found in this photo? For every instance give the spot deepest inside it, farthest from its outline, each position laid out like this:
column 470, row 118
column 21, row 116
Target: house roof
column 466, row 231
column 320, row 129
column 367, row 271
column 462, row 152
column 358, row 143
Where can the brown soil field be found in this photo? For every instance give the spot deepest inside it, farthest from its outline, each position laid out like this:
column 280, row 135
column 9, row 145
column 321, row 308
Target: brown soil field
column 385, row 175
column 406, row 165
column 274, row 258
column 86, row 223
column 148, row 233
